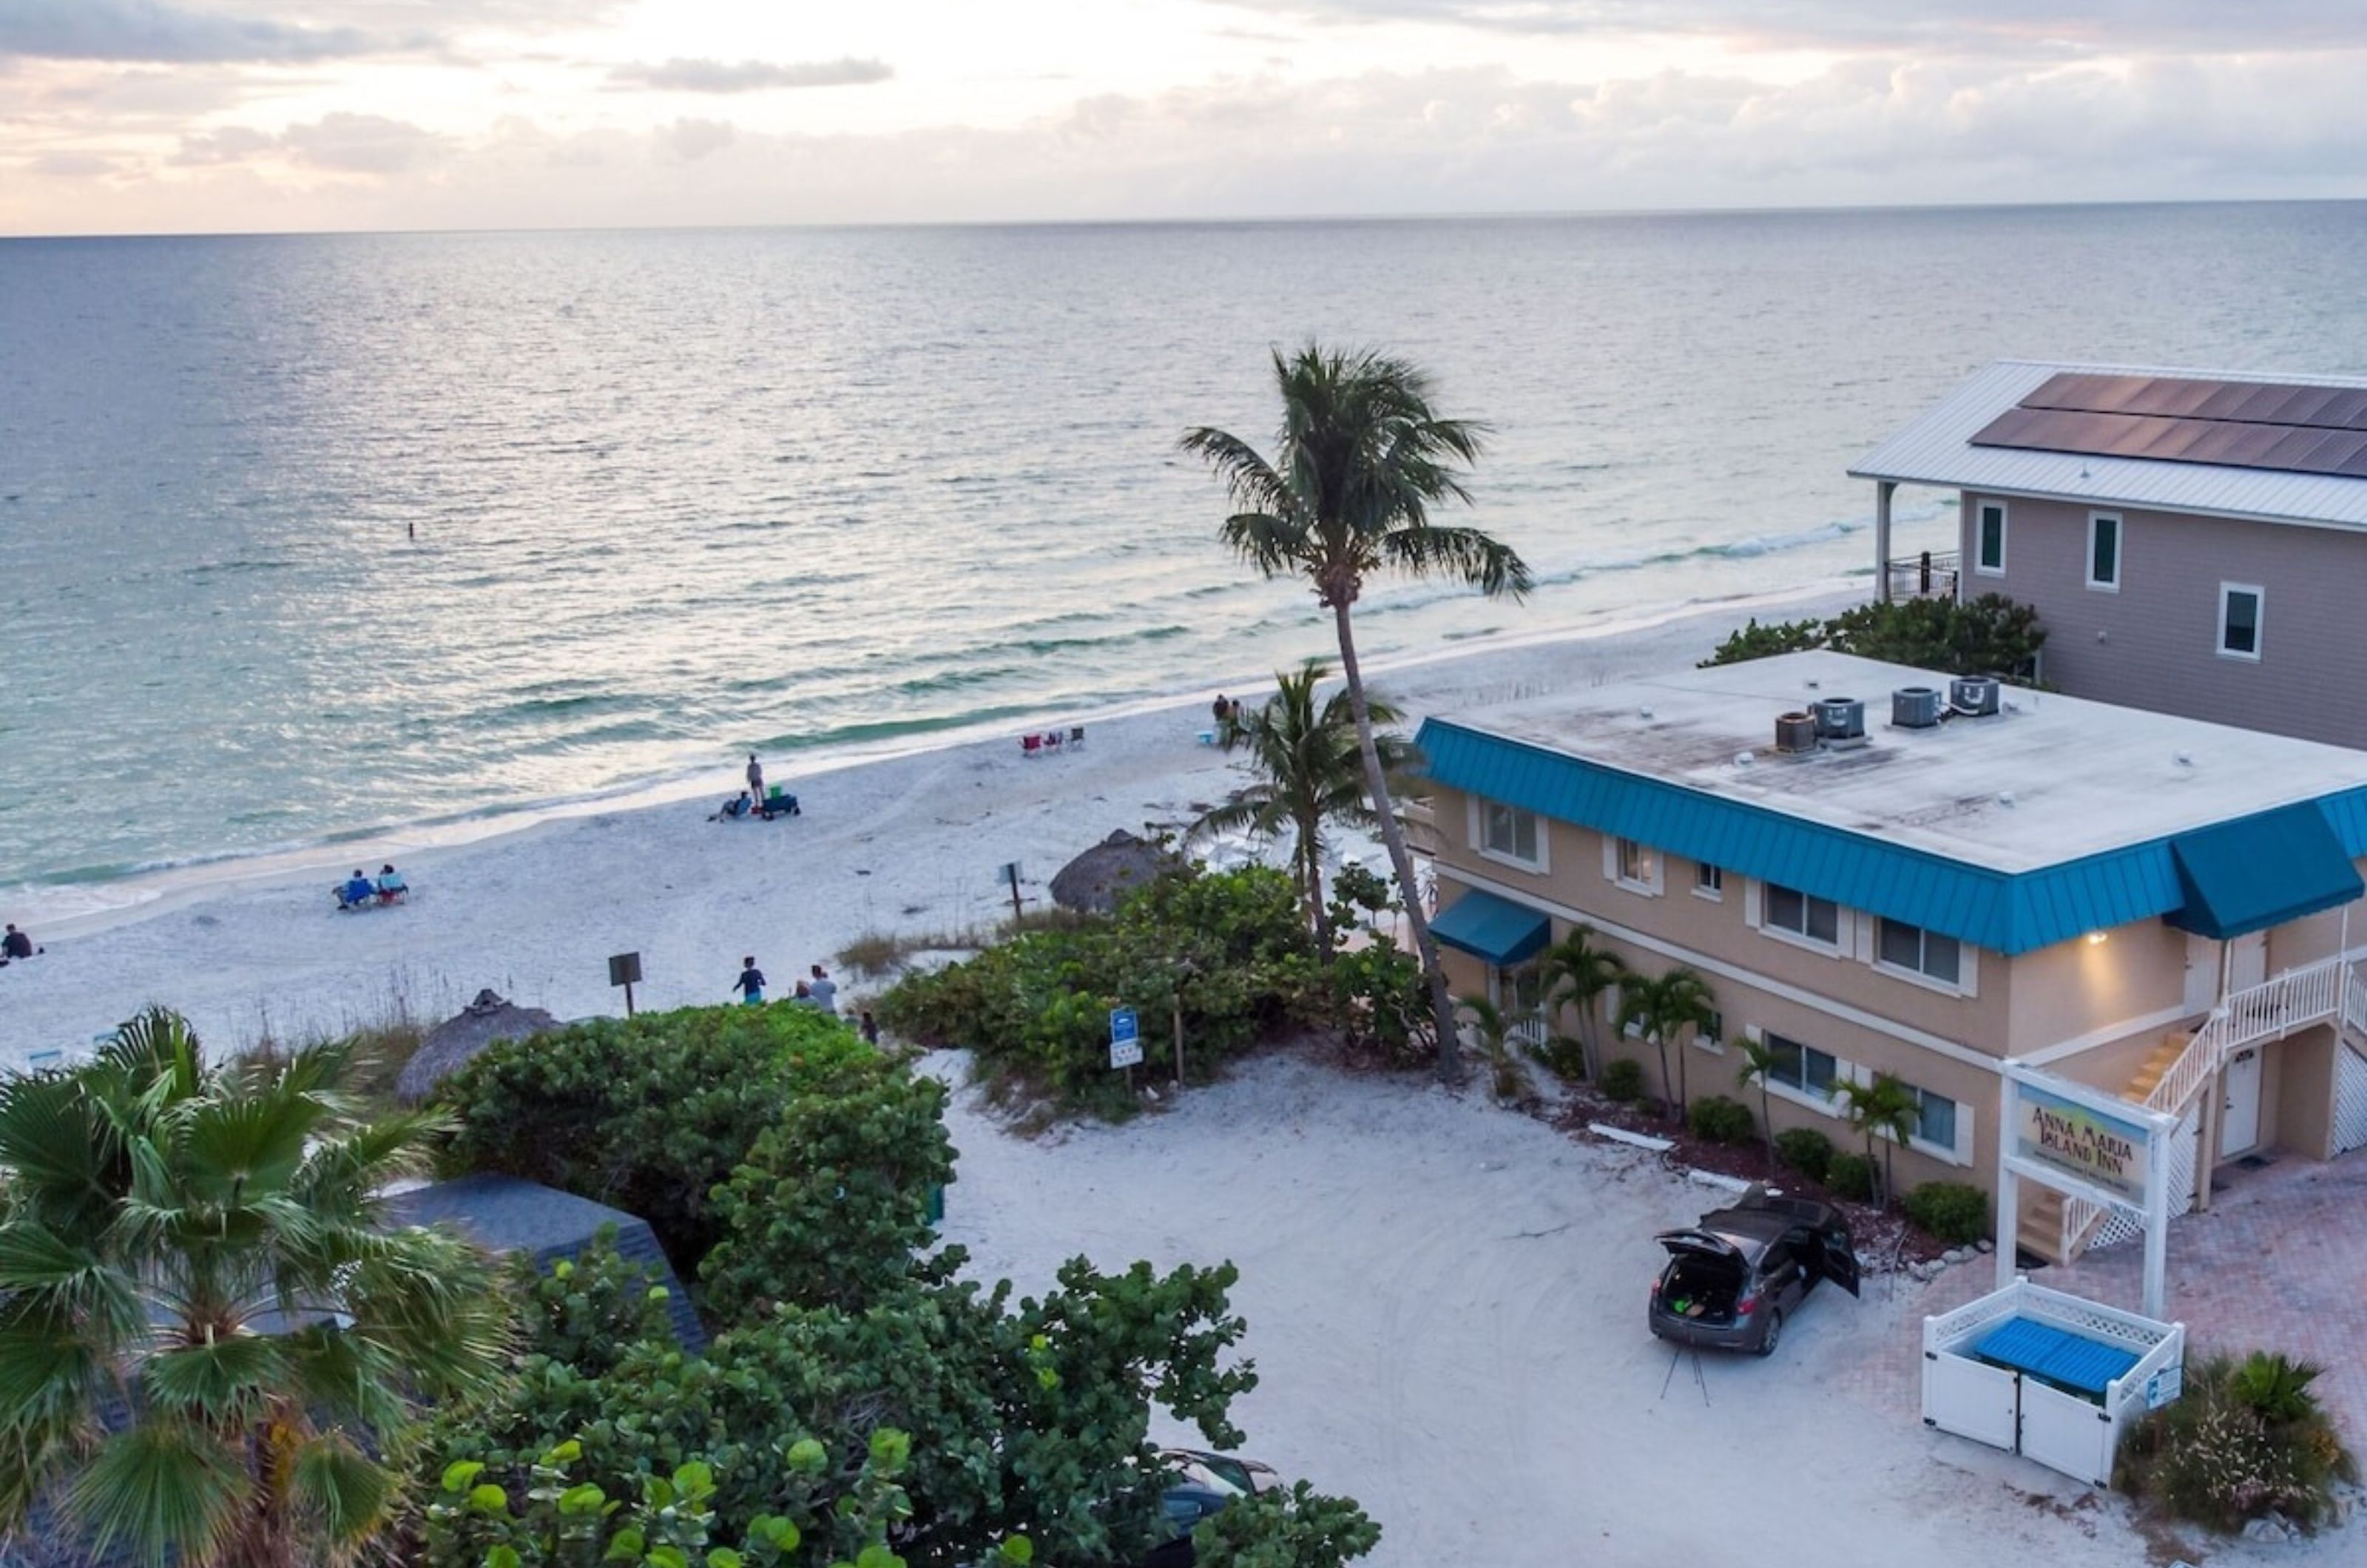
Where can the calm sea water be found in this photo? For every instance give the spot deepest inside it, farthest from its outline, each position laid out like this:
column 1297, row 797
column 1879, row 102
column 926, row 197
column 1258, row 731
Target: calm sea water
column 677, row 495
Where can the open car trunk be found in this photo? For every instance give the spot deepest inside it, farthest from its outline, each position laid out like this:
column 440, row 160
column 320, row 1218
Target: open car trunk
column 1704, row 1277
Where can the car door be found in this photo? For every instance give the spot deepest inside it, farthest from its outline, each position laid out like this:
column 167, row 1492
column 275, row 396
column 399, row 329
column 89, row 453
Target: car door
column 1840, row 1258
column 1783, row 1278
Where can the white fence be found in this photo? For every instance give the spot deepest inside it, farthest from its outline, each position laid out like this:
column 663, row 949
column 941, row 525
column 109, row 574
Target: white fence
column 2007, row 1410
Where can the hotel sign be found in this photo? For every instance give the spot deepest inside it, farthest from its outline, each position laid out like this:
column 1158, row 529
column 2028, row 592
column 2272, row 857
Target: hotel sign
column 2101, row 1150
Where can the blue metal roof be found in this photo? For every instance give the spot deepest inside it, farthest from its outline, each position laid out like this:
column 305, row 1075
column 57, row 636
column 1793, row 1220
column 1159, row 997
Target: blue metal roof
column 2006, row 912
column 2261, row 871
column 1494, row 929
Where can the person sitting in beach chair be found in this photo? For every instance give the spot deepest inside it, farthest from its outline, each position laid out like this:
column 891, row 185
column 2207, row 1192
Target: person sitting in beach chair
column 391, row 887
column 356, row 892
column 734, row 809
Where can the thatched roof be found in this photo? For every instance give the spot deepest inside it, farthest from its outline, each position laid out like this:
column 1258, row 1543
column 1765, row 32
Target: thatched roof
column 1093, row 880
column 455, row 1041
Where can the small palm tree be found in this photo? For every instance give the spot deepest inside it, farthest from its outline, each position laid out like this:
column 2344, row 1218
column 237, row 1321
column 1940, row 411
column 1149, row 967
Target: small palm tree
column 1664, row 1008
column 1361, row 459
column 1884, row 1108
column 1309, row 773
column 1759, row 1063
column 1576, row 971
column 1491, row 1032
column 210, row 1343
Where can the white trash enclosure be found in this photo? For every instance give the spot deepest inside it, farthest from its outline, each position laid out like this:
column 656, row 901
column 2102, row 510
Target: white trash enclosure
column 2049, row 1376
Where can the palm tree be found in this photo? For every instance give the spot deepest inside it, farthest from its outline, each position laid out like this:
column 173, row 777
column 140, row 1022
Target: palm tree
column 1491, row 1032
column 1664, row 1008
column 1309, row 773
column 211, row 1344
column 1886, row 1106
column 1360, row 460
column 1577, row 972
column 1759, row 1064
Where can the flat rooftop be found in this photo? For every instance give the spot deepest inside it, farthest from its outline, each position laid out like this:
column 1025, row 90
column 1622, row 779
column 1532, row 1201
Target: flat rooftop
column 2047, row 779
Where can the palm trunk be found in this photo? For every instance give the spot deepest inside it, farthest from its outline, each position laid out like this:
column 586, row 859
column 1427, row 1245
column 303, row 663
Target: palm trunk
column 1767, row 1124
column 1667, row 1086
column 1310, row 882
column 1377, row 784
column 1684, row 1088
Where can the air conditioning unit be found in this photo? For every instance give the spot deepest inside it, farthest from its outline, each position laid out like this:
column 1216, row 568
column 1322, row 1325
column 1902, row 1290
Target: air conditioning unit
column 1840, row 718
column 1796, row 732
column 1915, row 708
column 1974, row 696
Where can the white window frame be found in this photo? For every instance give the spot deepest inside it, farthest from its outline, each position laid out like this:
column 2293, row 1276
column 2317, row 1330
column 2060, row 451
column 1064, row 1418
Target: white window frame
column 1966, row 982
column 1836, row 948
column 1830, row 1104
column 1959, row 1153
column 1712, row 1040
column 2259, row 619
column 1614, row 850
column 1980, row 537
column 1709, row 882
column 2119, row 553
column 1478, row 822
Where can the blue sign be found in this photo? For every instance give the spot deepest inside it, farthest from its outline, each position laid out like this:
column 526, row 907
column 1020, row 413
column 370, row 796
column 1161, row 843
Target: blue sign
column 1125, row 1038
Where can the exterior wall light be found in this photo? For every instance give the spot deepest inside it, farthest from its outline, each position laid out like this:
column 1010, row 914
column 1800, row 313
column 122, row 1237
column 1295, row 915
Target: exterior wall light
column 2096, row 939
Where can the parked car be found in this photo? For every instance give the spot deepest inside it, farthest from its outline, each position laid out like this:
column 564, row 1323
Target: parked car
column 1200, row 1483
column 1221, row 1472
column 1733, row 1280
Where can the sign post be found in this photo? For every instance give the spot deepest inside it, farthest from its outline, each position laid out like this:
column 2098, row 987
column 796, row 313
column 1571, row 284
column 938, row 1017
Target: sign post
column 1125, row 1041
column 1010, row 873
column 2085, row 1143
column 625, row 969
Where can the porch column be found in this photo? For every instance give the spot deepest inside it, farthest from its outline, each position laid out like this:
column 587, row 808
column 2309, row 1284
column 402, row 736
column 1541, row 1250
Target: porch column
column 2009, row 1185
column 1883, row 490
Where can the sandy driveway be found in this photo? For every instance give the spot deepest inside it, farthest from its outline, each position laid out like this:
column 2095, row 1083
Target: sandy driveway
column 1446, row 1306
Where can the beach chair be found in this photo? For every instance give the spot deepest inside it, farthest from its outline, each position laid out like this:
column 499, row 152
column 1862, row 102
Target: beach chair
column 1051, row 740
column 1076, row 737
column 1031, row 747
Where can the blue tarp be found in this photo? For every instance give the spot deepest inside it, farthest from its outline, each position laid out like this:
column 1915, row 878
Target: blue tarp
column 1494, row 929
column 2056, row 1354
column 2260, row 871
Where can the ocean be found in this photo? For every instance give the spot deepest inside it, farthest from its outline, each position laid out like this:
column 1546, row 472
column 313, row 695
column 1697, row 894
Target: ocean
column 307, row 537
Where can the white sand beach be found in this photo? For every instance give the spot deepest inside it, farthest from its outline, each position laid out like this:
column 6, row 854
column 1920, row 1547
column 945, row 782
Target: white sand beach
column 909, row 842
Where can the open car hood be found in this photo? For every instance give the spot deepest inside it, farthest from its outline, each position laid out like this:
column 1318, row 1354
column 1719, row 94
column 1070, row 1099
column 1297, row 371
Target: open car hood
column 1699, row 1244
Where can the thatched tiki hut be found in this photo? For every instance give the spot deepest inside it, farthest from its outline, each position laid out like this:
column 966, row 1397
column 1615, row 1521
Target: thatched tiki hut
column 455, row 1041
column 1094, row 880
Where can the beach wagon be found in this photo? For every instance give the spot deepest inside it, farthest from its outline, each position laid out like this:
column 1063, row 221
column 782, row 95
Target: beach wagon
column 1732, row 1279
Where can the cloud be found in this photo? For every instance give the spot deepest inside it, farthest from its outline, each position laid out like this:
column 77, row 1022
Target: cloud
column 344, row 143
column 687, row 140
column 232, row 144
column 72, row 165
column 749, row 76
column 151, row 30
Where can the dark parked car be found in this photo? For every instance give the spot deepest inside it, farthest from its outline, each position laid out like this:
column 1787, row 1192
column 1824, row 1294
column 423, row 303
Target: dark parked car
column 1732, row 1279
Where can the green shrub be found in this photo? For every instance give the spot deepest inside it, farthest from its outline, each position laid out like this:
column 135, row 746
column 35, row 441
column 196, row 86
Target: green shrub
column 1298, row 1528
column 648, row 1115
column 2244, row 1440
column 1036, row 1008
column 1807, row 1151
column 1718, row 1120
column 1987, row 636
column 1850, row 1176
column 1950, row 1211
column 1564, row 1057
column 1623, row 1080
column 589, row 1310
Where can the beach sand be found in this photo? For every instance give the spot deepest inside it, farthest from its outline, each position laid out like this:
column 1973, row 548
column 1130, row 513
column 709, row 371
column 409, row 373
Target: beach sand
column 907, row 843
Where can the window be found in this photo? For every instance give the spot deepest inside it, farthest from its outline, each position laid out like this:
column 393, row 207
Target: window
column 1711, row 1037
column 1509, row 832
column 1709, row 881
column 1926, row 952
column 1935, row 1121
column 1636, row 864
column 1803, row 1069
column 2240, row 620
column 1988, row 543
column 2104, row 552
column 1817, row 919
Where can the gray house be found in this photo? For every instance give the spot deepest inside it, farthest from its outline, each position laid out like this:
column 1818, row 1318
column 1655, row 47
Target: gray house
column 2194, row 542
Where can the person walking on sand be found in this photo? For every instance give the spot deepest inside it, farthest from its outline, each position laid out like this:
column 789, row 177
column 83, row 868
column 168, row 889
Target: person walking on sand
column 824, row 991
column 756, row 779
column 868, row 1028
column 751, row 983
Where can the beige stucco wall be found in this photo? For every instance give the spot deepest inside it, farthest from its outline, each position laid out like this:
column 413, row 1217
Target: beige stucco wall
column 2074, row 988
column 2305, row 1103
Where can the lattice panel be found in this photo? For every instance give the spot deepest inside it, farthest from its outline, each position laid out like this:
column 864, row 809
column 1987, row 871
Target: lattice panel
column 2350, row 1100
column 2185, row 1144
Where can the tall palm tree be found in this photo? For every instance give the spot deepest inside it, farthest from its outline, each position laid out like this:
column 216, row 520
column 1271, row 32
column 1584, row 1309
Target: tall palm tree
column 210, row 1344
column 1576, row 971
column 1309, row 773
column 1360, row 461
column 1664, row 1008
column 1887, row 1108
column 1759, row 1064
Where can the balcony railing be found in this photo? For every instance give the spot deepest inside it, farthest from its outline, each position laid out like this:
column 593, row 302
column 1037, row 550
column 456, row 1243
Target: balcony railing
column 1930, row 575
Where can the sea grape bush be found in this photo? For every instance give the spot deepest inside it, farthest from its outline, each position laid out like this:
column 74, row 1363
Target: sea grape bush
column 1296, row 1528
column 1989, row 636
column 587, row 1310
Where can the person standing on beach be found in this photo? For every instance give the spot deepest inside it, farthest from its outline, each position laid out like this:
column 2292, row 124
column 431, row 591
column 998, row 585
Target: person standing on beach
column 868, row 1028
column 824, row 991
column 751, row 983
column 756, row 779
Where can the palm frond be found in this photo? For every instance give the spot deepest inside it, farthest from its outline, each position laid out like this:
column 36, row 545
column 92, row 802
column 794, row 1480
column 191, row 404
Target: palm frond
column 1466, row 555
column 164, row 1490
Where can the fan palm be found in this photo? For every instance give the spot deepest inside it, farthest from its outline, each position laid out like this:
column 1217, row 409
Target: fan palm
column 1577, row 972
column 1309, row 773
column 210, row 1344
column 1664, row 1007
column 1360, row 461
column 1887, row 1108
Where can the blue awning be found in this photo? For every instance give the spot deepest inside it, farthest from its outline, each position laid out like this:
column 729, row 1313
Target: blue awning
column 2258, row 872
column 1494, row 929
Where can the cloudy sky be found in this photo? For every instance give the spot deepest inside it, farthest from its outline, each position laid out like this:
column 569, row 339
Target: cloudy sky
column 201, row 115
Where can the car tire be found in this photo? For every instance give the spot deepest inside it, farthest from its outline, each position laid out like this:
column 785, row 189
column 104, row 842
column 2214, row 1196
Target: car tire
column 1766, row 1346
